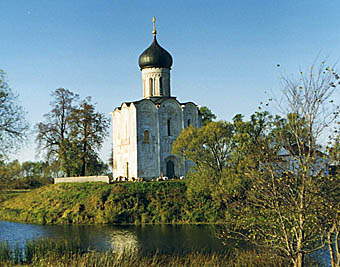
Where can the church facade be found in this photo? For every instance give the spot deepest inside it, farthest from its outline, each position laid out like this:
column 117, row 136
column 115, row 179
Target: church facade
column 144, row 130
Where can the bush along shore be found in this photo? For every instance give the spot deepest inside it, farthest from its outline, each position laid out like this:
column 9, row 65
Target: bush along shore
column 121, row 203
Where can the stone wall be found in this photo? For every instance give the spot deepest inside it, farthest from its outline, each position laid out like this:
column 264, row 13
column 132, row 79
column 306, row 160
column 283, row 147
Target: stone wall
column 147, row 148
column 82, row 179
column 170, row 115
column 124, row 128
column 143, row 134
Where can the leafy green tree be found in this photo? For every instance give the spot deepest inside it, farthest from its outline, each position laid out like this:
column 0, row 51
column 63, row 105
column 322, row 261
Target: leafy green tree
column 13, row 126
column 24, row 175
column 210, row 148
column 207, row 115
column 88, row 131
column 53, row 136
column 220, row 152
column 71, row 135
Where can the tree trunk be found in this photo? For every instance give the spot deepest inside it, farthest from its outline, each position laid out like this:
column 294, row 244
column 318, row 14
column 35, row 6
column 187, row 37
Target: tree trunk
column 337, row 252
column 298, row 261
column 331, row 252
column 333, row 246
column 83, row 167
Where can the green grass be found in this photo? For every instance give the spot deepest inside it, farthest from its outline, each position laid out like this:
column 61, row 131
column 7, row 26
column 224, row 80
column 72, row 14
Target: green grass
column 123, row 203
column 48, row 252
column 37, row 249
column 8, row 194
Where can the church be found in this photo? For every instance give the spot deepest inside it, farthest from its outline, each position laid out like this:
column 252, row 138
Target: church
column 144, row 130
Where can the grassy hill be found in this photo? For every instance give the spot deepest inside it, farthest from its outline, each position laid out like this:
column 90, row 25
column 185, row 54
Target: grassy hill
column 98, row 203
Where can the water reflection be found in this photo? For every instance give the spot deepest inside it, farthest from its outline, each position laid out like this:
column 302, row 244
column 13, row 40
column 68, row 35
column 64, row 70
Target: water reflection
column 146, row 239
column 124, row 241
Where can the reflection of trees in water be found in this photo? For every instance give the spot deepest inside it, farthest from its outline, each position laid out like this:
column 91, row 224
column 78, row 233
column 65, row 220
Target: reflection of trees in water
column 124, row 241
column 178, row 239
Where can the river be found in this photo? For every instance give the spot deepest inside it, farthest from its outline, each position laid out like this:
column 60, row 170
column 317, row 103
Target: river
column 147, row 239
column 169, row 239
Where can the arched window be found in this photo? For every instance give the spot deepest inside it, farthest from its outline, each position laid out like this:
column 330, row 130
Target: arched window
column 146, row 137
column 150, row 86
column 160, row 86
column 189, row 122
column 169, row 126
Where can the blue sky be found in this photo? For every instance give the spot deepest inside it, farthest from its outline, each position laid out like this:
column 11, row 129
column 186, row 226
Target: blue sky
column 225, row 52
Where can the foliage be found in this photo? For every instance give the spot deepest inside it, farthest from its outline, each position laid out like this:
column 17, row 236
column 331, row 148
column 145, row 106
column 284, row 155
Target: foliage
column 207, row 115
column 271, row 172
column 88, row 131
column 121, row 203
column 53, row 135
column 7, row 194
column 71, row 135
column 293, row 202
column 24, row 175
column 34, row 250
column 13, row 126
column 220, row 152
column 209, row 148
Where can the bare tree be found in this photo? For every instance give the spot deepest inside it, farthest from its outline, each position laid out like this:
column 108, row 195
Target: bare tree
column 13, row 126
column 312, row 97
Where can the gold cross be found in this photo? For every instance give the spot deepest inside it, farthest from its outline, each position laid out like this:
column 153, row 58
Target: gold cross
column 154, row 31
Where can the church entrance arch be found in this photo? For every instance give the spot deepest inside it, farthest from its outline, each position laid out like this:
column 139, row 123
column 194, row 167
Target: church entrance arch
column 170, row 169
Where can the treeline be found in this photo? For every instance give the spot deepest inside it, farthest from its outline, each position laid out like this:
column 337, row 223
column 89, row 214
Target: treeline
column 33, row 174
column 25, row 175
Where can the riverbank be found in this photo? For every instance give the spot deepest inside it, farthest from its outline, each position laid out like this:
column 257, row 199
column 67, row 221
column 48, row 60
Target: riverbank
column 123, row 203
column 11, row 193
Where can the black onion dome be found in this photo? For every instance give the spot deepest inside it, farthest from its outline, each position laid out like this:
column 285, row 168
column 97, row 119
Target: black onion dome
column 155, row 57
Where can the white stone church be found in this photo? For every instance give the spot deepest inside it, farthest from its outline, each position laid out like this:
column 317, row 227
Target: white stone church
column 144, row 130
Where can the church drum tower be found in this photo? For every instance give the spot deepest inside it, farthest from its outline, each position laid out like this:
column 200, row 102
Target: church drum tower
column 144, row 130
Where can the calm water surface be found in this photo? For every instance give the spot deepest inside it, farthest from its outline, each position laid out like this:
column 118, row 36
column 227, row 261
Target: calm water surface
column 147, row 239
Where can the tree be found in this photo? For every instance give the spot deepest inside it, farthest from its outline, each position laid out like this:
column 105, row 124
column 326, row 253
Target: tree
column 210, row 148
column 54, row 133
column 272, row 170
column 71, row 135
column 207, row 115
column 292, row 203
column 88, row 131
column 24, row 175
column 219, row 151
column 13, row 126
column 332, row 203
